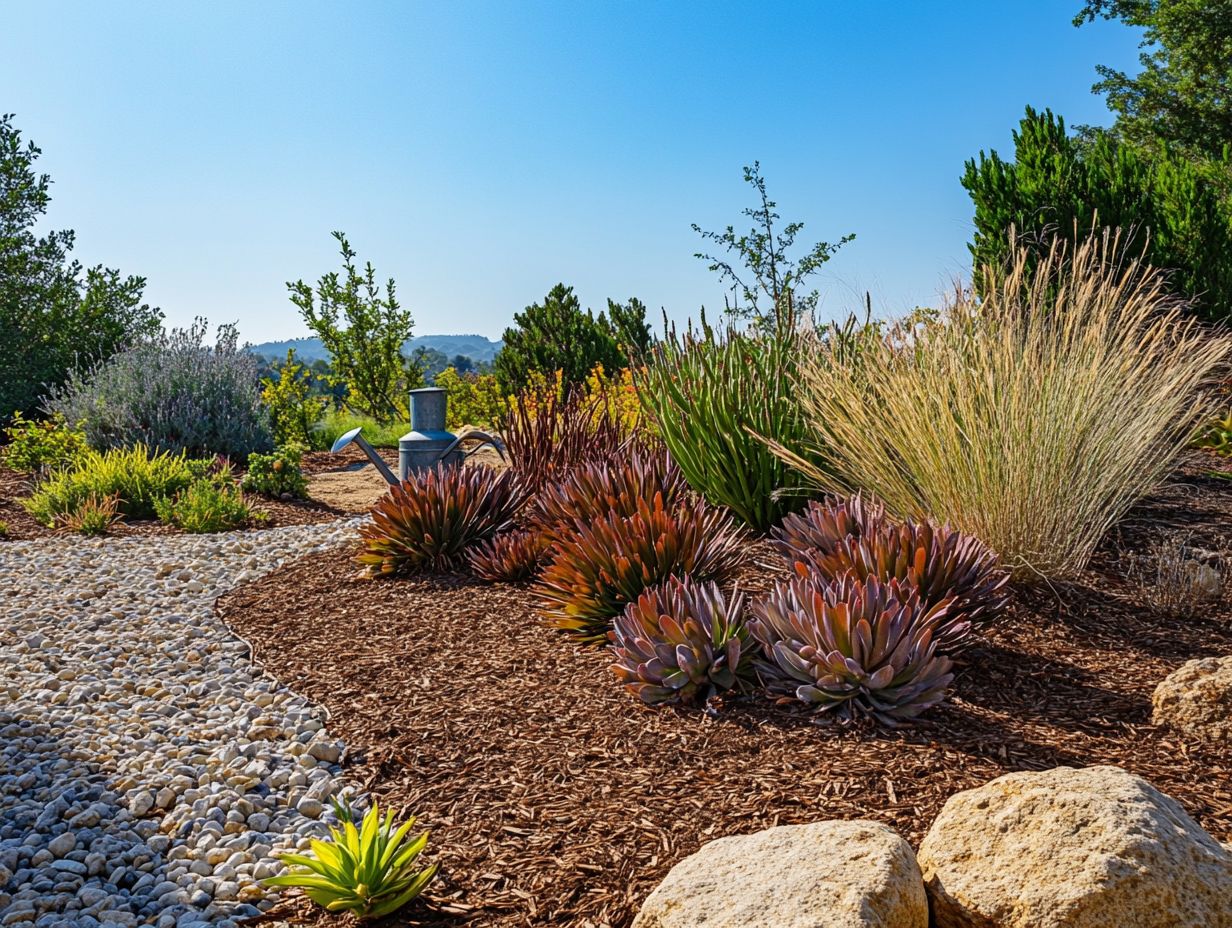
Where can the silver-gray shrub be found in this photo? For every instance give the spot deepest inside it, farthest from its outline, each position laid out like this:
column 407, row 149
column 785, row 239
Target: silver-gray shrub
column 174, row 393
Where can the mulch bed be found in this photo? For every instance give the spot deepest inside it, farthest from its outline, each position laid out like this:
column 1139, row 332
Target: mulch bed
column 554, row 798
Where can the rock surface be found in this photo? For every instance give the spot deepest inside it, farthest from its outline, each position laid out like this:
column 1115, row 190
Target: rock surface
column 149, row 773
column 1196, row 699
column 1065, row 848
column 823, row 875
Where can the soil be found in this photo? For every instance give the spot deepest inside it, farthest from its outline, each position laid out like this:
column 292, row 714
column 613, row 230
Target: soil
column 553, row 797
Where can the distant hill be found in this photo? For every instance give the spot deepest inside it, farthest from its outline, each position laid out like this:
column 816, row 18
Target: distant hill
column 475, row 347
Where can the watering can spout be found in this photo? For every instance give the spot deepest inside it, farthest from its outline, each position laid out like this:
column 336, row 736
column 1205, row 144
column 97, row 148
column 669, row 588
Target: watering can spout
column 377, row 461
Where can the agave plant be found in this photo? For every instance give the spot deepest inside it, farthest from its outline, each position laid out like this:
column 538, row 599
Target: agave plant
column 429, row 520
column 593, row 490
column 680, row 642
column 606, row 564
column 368, row 871
column 510, row 556
column 856, row 647
column 854, row 536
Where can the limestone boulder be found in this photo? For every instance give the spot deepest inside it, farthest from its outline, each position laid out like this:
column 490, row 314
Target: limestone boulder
column 1196, row 699
column 1064, row 848
column 822, row 875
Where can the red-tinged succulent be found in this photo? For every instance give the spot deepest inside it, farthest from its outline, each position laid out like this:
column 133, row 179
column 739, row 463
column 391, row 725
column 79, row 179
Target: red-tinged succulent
column 940, row 562
column 593, row 490
column 607, row 563
column 428, row 521
column 853, row 647
column 681, row 642
column 509, row 557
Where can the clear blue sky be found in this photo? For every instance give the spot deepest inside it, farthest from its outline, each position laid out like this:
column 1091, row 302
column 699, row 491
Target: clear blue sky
column 480, row 152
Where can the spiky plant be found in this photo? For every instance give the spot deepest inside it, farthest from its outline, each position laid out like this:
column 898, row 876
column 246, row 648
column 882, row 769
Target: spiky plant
column 680, row 642
column 368, row 871
column 939, row 562
column 428, row 521
column 594, row 489
column 509, row 557
column 607, row 563
column 853, row 647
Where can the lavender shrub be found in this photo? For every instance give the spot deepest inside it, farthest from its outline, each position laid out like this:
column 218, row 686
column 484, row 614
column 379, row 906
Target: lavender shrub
column 173, row 393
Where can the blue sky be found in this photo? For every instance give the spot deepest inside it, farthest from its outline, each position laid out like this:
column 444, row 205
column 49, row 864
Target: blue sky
column 479, row 152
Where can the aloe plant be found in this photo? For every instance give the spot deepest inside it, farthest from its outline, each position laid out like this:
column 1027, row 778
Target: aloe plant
column 367, row 871
column 510, row 556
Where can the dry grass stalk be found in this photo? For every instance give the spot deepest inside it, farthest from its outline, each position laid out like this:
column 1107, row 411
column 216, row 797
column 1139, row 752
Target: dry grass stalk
column 1179, row 580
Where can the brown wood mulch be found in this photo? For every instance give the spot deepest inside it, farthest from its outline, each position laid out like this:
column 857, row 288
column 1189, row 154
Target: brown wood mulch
column 554, row 798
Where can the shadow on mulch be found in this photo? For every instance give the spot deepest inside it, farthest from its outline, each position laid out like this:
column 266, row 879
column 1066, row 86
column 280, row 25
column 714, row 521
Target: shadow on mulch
column 554, row 798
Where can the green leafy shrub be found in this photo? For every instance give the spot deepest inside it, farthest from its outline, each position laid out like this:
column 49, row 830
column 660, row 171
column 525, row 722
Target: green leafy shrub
column 278, row 474
column 294, row 409
column 594, row 489
column 852, row 647
column 37, row 445
column 205, row 506
column 1031, row 419
column 137, row 476
column 429, row 520
column 606, row 564
column 174, row 393
column 940, row 563
column 710, row 396
column 93, row 515
column 473, row 398
column 681, row 642
column 367, row 871
column 339, row 421
column 1215, row 435
column 4, row 528
column 509, row 557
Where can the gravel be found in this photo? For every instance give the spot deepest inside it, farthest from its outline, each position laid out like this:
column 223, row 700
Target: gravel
column 149, row 773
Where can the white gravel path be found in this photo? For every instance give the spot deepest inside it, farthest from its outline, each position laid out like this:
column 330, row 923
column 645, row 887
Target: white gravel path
column 148, row 772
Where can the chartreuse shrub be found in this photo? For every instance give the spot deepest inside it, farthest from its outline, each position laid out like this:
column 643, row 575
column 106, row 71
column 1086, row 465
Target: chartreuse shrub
column 510, row 556
column 854, row 647
column 369, row 871
column 430, row 520
column 605, row 564
column 277, row 474
column 856, row 537
column 681, row 642
column 207, row 505
column 340, row 421
column 709, row 395
column 1031, row 419
column 294, row 408
column 135, row 476
column 473, row 399
column 34, row 445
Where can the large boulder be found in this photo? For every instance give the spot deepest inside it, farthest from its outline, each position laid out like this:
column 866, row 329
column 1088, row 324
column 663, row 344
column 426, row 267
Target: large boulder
column 1196, row 699
column 1064, row 848
column 823, row 875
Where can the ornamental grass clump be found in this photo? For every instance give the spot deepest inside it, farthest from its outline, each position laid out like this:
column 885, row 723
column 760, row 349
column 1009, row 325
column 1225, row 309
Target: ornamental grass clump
column 855, row 537
column 853, row 647
column 430, row 520
column 509, row 557
column 1031, row 418
column 606, row 564
column 681, row 642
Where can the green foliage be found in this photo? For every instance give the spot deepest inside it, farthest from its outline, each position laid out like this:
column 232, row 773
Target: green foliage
column 429, row 520
column 709, row 395
column 293, row 406
column 769, row 275
column 681, row 642
column 558, row 335
column 940, row 563
column 93, row 515
column 853, row 647
column 1182, row 96
column 364, row 332
column 473, row 399
column 509, row 557
column 1215, row 435
column 209, row 505
column 4, row 528
column 605, row 564
column 367, row 871
column 278, row 474
column 340, row 421
column 1057, row 185
column 35, row 445
column 55, row 315
column 137, row 476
